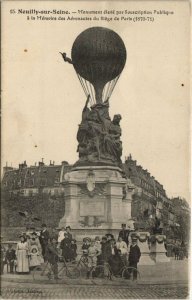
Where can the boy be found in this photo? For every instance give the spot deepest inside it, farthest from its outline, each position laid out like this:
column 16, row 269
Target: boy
column 10, row 257
column 134, row 256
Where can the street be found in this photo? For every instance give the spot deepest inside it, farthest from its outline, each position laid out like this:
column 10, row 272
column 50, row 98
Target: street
column 64, row 291
column 160, row 281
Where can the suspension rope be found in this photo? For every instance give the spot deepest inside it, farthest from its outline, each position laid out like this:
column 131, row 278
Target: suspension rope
column 92, row 92
column 103, row 94
column 115, row 82
column 92, row 95
column 108, row 89
column 111, row 87
column 82, row 84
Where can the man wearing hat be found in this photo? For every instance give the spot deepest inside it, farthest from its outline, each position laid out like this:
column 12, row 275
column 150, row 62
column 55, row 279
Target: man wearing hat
column 124, row 234
column 134, row 256
column 66, row 247
column 44, row 238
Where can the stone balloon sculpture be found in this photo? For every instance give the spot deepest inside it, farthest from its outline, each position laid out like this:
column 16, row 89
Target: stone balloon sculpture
column 98, row 57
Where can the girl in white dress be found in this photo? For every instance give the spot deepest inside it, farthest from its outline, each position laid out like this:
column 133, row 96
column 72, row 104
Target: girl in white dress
column 36, row 258
column 121, row 245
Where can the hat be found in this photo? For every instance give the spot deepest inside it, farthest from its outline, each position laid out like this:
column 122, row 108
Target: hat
column 68, row 227
column 134, row 238
column 87, row 239
column 104, row 238
column 109, row 234
column 97, row 238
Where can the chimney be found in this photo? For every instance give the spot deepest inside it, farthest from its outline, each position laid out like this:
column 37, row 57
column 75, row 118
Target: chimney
column 6, row 169
column 41, row 163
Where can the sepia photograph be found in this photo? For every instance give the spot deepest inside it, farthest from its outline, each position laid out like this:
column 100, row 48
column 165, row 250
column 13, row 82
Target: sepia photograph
column 95, row 161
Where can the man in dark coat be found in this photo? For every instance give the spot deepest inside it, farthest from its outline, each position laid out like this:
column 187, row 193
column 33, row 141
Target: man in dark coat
column 124, row 234
column 66, row 247
column 106, row 248
column 134, row 256
column 10, row 257
column 44, row 238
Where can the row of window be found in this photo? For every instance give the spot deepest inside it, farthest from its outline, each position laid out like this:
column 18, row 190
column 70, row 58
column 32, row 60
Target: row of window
column 28, row 182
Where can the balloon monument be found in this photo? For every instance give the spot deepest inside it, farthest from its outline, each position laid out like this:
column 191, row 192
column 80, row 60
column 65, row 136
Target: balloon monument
column 98, row 57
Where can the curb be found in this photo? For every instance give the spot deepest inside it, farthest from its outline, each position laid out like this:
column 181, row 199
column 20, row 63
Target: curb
column 112, row 284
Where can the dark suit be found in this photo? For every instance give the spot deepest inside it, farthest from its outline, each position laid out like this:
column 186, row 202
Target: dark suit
column 10, row 257
column 66, row 248
column 44, row 237
column 106, row 251
column 134, row 256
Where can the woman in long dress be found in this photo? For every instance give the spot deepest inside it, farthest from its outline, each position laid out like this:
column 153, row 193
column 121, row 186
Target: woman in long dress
column 22, row 251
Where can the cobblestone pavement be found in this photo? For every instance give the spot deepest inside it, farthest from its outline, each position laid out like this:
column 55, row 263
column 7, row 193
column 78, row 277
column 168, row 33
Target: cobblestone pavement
column 94, row 292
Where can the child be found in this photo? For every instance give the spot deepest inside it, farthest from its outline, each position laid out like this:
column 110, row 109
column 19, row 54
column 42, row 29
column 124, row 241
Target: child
column 93, row 252
column 86, row 245
column 10, row 257
column 35, row 257
column 134, row 256
column 73, row 249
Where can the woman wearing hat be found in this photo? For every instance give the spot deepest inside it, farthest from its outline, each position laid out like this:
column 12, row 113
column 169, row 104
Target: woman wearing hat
column 22, row 252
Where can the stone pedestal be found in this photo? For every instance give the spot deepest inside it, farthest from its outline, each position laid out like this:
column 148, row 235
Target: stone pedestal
column 94, row 203
column 160, row 249
column 145, row 258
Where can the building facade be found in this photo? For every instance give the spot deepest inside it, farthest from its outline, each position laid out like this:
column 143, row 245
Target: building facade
column 39, row 189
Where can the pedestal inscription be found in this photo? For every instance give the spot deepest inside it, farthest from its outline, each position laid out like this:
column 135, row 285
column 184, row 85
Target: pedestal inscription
column 90, row 208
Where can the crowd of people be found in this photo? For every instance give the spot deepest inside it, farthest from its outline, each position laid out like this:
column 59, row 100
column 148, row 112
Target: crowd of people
column 37, row 247
column 177, row 249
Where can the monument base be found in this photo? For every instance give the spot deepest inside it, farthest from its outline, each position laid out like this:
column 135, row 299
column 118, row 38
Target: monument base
column 142, row 242
column 158, row 250
column 95, row 203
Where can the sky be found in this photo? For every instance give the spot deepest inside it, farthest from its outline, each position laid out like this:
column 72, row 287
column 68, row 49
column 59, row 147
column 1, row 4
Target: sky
column 42, row 98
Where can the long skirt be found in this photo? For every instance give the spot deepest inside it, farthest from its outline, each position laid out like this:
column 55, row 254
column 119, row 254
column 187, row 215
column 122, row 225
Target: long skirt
column 22, row 261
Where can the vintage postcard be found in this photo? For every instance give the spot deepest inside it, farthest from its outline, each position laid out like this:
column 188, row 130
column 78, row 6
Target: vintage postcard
column 95, row 187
